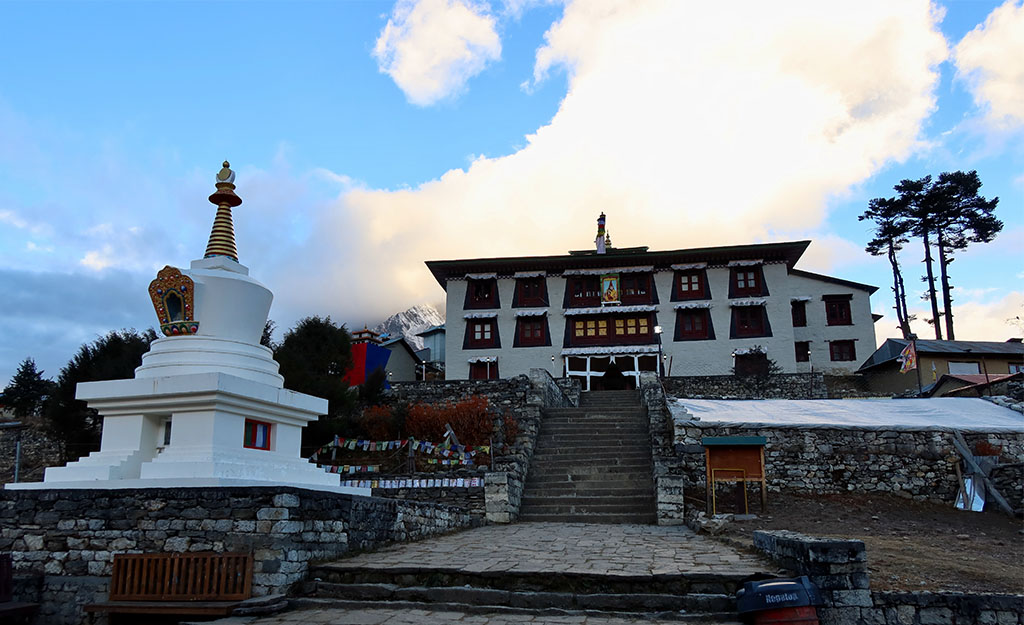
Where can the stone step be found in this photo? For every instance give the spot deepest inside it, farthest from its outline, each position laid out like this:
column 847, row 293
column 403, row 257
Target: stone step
column 595, row 411
column 592, row 517
column 673, row 583
column 593, row 453
column 583, row 491
column 610, row 425
column 585, row 509
column 595, row 440
column 637, row 499
column 582, row 459
column 477, row 612
column 620, row 476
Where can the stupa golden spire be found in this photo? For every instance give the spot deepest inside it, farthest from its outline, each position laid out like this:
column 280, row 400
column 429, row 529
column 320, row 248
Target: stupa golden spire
column 222, row 237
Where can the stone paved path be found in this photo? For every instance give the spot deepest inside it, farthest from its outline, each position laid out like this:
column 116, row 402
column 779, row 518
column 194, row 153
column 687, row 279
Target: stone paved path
column 625, row 550
column 387, row 616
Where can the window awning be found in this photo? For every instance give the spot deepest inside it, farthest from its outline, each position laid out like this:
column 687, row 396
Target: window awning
column 692, row 305
column 610, row 349
column 481, row 276
column 745, row 263
column 481, row 315
column 601, row 272
column 736, row 303
column 569, row 312
column 689, row 266
column 532, row 312
column 529, row 274
column 482, row 359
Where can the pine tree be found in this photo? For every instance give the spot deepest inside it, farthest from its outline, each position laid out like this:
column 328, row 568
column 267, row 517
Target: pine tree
column 27, row 390
column 891, row 229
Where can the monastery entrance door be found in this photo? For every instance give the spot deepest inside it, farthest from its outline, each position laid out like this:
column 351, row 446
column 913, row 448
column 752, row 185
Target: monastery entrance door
column 590, row 370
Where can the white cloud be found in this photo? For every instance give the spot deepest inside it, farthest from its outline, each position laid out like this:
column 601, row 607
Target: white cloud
column 689, row 124
column 431, row 48
column 979, row 320
column 100, row 259
column 991, row 59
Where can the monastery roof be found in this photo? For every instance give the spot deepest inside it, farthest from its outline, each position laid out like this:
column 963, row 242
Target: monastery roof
column 891, row 348
column 788, row 252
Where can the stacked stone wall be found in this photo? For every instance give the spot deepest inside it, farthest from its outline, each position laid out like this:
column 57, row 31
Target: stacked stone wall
column 839, row 568
column 522, row 398
column 469, row 498
column 669, row 472
column 918, row 464
column 776, row 386
column 62, row 542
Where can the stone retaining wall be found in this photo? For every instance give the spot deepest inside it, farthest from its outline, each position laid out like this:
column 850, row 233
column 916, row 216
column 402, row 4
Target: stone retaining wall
column 66, row 539
column 839, row 568
column 915, row 464
column 669, row 478
column 778, row 386
column 468, row 498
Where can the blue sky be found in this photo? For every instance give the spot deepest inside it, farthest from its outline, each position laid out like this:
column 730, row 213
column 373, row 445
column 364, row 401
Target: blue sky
column 371, row 136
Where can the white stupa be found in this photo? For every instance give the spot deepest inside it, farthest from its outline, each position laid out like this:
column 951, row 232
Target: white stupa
column 208, row 406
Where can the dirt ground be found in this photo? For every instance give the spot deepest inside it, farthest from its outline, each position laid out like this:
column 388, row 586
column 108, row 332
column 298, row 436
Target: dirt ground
column 910, row 545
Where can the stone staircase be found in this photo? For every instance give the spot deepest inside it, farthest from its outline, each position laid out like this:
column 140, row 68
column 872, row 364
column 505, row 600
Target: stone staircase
column 592, row 464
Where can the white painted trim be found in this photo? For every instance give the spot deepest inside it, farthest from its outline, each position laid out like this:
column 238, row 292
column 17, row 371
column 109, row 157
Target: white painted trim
column 530, row 274
column 601, row 272
column 481, row 276
column 747, row 302
column 569, row 312
column 689, row 266
column 801, row 298
column 482, row 359
column 745, row 263
column 532, row 312
column 480, row 315
column 692, row 305
column 601, row 350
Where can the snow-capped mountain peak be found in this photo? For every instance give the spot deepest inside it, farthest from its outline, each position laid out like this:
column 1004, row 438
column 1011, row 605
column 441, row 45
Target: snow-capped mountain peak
column 408, row 322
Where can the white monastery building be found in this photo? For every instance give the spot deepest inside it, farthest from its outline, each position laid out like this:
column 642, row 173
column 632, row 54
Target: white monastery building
column 696, row 311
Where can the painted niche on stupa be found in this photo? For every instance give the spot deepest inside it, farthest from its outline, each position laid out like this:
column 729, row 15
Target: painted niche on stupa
column 173, row 294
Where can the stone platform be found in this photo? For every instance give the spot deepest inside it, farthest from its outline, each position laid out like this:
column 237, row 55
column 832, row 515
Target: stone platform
column 554, row 573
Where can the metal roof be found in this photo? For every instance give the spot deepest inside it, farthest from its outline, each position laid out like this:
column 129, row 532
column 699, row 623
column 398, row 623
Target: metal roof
column 891, row 348
column 788, row 252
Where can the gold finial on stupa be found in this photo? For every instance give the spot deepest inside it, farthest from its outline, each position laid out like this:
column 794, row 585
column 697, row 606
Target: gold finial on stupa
column 222, row 237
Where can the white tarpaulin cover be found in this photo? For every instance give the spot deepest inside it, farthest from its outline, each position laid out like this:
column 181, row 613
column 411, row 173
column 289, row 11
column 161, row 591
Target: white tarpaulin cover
column 942, row 413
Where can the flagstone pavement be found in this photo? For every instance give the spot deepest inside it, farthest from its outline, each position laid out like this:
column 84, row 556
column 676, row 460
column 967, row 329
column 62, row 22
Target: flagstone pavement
column 614, row 550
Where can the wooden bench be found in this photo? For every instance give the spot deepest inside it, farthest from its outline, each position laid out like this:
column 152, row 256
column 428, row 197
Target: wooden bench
column 191, row 584
column 12, row 611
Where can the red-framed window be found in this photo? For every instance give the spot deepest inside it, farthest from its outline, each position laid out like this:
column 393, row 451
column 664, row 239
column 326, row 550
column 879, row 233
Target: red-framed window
column 611, row 330
column 748, row 321
column 257, row 435
column 802, row 351
column 690, row 284
column 481, row 333
column 483, row 370
column 530, row 292
column 531, row 331
column 636, row 288
column 799, row 310
column 482, row 294
column 837, row 310
column 842, row 351
column 582, row 291
column 747, row 281
column 693, row 325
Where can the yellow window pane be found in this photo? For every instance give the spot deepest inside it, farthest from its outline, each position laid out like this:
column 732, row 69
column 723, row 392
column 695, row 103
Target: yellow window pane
column 631, row 330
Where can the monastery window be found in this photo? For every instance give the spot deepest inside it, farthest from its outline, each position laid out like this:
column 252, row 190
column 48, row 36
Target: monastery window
column 753, row 363
column 612, row 330
column 803, row 351
column 483, row 370
column 636, row 289
column 749, row 321
column 747, row 281
column 257, row 435
column 481, row 333
column 837, row 310
column 799, row 314
column 692, row 284
column 583, row 291
column 842, row 351
column 530, row 292
column 693, row 325
column 531, row 332
column 482, row 294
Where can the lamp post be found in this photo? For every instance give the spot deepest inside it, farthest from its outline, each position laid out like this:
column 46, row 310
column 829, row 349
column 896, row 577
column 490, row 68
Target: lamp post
column 657, row 332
